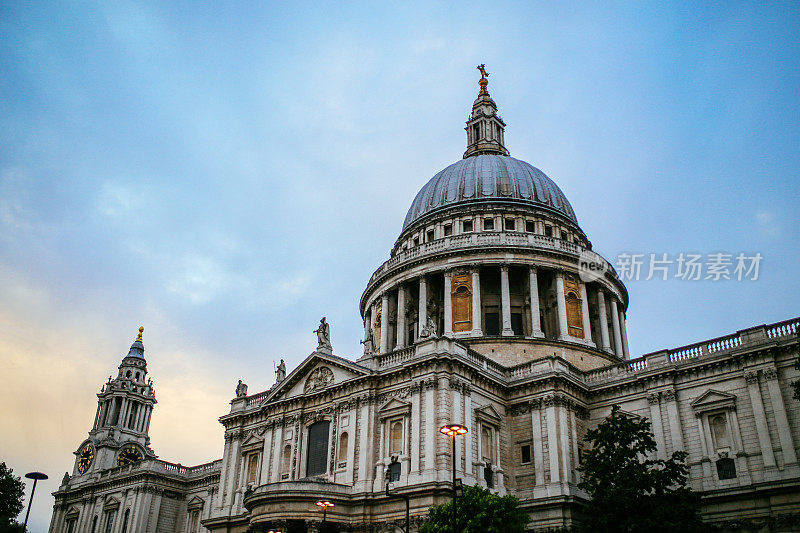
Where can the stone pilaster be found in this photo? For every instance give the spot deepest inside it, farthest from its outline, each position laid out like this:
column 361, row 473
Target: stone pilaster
column 431, row 428
column 658, row 426
column 781, row 420
column 760, row 418
column 401, row 317
column 675, row 426
column 538, row 449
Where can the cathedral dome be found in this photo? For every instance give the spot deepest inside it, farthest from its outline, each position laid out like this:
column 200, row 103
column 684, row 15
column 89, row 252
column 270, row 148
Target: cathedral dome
column 488, row 178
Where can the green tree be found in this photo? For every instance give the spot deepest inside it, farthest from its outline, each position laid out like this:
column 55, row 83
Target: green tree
column 629, row 491
column 12, row 491
column 478, row 510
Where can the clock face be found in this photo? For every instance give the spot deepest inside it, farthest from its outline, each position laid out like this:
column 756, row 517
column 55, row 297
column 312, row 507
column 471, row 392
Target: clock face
column 85, row 458
column 129, row 454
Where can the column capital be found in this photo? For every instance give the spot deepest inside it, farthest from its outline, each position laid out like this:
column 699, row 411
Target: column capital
column 504, row 267
column 652, row 398
column 770, row 374
column 751, row 377
column 448, row 272
column 533, row 268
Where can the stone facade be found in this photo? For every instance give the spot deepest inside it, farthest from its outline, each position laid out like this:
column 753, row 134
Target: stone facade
column 481, row 316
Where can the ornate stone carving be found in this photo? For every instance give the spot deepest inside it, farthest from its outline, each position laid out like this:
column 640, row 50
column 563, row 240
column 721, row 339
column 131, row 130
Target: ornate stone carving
column 319, row 379
column 770, row 374
column 670, row 396
column 652, row 398
column 751, row 377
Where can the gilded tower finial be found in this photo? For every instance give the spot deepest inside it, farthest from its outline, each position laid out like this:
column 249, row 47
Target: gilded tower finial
column 483, row 82
column 139, row 337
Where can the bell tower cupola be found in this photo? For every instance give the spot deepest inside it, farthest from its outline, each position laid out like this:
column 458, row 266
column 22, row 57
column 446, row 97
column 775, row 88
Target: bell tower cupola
column 485, row 128
column 124, row 405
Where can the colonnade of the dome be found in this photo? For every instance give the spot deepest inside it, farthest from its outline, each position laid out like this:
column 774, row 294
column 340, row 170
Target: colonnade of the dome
column 497, row 299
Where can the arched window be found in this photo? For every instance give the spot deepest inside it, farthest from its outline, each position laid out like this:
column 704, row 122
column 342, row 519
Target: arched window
column 719, row 431
column 574, row 315
column 343, row 442
column 287, row 458
column 487, row 445
column 462, row 304
column 317, row 458
column 252, row 468
column 396, row 437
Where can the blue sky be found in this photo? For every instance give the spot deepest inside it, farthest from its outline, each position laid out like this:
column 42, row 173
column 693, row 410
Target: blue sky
column 227, row 174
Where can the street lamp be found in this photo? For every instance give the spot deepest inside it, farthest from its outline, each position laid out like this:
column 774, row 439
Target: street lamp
column 35, row 476
column 454, row 430
column 324, row 504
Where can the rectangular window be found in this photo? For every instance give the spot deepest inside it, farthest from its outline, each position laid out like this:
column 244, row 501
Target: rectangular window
column 71, row 526
column 492, row 324
column 448, row 230
column 526, row 454
column 467, row 226
column 510, row 224
column 416, row 241
column 488, row 476
column 516, row 323
column 548, row 231
column 110, row 521
column 726, row 468
column 530, row 226
column 430, row 235
column 488, row 224
column 317, row 458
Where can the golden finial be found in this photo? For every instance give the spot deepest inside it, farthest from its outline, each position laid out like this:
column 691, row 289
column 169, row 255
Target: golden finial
column 483, row 82
column 139, row 337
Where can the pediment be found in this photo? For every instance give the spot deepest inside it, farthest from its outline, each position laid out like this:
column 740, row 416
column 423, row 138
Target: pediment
column 319, row 371
column 489, row 413
column 111, row 503
column 394, row 407
column 713, row 399
column 72, row 513
column 252, row 441
column 195, row 503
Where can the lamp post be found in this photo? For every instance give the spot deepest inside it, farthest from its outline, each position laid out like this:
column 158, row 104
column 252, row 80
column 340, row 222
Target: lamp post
column 454, row 430
column 35, row 476
column 324, row 504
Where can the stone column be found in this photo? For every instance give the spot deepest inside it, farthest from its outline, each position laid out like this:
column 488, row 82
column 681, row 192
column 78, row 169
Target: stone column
column 448, row 303
column 277, row 453
column 705, row 452
column 505, row 295
column 574, row 438
column 536, row 323
column 552, row 440
column 564, row 443
column 423, row 304
column 624, row 334
column 468, row 457
column 538, row 449
column 562, row 306
column 601, row 309
column 615, row 324
column 761, row 419
column 430, row 424
column 385, row 323
column 456, row 404
column 364, row 447
column 781, row 421
column 587, row 322
column 476, row 304
column 266, row 465
column 416, row 426
column 658, row 427
column 401, row 317
column 675, row 428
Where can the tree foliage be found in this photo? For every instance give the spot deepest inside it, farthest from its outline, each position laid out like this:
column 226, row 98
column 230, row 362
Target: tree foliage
column 477, row 510
column 12, row 491
column 631, row 491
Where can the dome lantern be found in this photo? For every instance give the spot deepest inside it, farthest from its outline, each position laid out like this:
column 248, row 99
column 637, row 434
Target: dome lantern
column 485, row 129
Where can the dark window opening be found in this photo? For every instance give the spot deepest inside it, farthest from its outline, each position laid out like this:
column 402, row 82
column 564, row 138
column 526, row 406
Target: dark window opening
column 125, row 521
column 530, row 226
column 394, row 471
column 467, row 226
column 430, row 235
column 488, row 224
column 516, row 323
column 448, row 230
column 94, row 524
column 416, row 241
column 726, row 468
column 488, row 476
column 492, row 324
column 548, row 231
column 476, row 132
column 510, row 224
column 317, row 463
column 526, row 454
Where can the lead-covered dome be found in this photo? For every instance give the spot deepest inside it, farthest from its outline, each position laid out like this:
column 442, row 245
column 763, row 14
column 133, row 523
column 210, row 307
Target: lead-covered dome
column 488, row 178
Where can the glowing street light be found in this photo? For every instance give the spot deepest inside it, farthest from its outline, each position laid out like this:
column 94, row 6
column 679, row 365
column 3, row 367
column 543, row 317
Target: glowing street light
column 324, row 504
column 453, row 431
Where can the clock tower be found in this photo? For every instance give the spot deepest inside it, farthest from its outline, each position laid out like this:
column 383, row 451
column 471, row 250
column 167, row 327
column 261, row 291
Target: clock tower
column 124, row 405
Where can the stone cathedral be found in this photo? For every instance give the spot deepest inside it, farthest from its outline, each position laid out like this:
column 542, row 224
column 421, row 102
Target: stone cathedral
column 480, row 316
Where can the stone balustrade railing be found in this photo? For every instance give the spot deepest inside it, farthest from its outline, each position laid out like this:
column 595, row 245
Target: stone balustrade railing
column 479, row 240
column 157, row 465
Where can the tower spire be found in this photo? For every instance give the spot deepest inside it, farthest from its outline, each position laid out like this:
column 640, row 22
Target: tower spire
column 485, row 128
